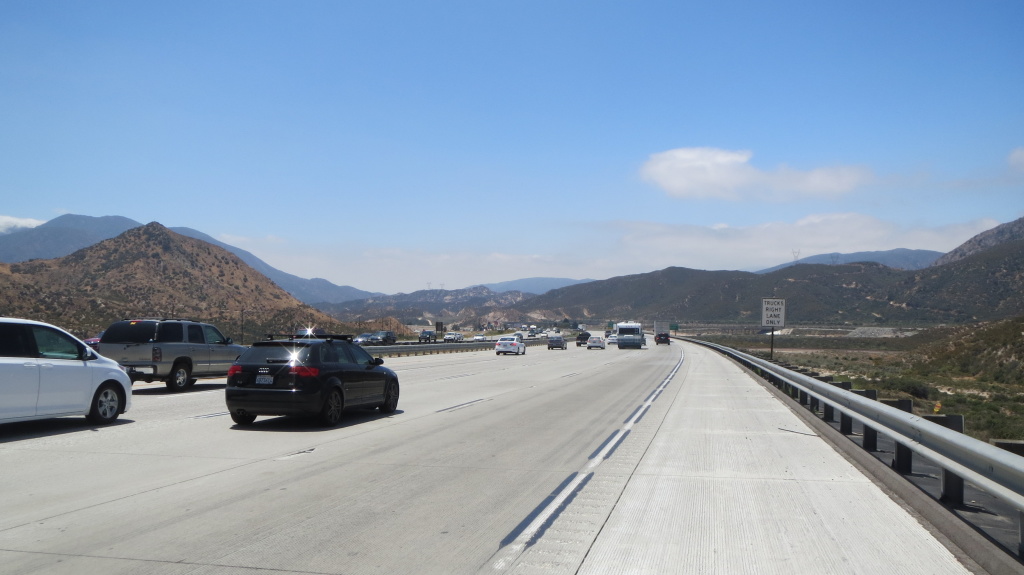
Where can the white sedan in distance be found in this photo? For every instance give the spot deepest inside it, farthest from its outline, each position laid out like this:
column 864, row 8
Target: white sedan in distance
column 595, row 341
column 509, row 344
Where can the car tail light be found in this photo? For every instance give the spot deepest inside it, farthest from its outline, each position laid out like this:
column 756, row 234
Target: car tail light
column 158, row 354
column 234, row 369
column 303, row 371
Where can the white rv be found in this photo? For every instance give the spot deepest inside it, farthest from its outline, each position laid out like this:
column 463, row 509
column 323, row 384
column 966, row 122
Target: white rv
column 630, row 334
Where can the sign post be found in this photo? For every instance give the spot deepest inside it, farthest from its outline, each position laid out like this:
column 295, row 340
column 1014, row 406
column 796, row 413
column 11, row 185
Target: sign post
column 773, row 315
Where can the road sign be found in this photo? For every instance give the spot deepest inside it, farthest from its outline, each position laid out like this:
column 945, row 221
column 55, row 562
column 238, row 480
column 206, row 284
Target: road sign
column 773, row 312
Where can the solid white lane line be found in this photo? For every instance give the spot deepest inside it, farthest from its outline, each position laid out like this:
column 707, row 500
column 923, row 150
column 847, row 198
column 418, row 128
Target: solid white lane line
column 508, row 554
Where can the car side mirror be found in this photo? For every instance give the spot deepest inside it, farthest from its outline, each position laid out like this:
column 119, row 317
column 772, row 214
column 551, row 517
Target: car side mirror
column 378, row 361
column 87, row 354
column 229, row 341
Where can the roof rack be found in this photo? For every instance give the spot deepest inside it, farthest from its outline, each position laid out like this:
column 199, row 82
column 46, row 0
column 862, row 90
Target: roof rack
column 294, row 336
column 159, row 319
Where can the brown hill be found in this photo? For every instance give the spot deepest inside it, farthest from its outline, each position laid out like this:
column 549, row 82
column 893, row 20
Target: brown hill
column 1008, row 232
column 151, row 271
column 984, row 286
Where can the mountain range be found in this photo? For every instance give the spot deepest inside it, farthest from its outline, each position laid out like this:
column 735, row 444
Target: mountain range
column 984, row 286
column 900, row 258
column 533, row 285
column 69, row 233
column 151, row 270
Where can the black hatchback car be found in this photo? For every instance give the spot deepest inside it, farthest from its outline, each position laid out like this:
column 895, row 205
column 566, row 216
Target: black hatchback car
column 317, row 375
column 662, row 338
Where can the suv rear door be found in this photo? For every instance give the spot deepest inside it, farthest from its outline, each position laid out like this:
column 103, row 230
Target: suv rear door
column 222, row 353
column 199, row 350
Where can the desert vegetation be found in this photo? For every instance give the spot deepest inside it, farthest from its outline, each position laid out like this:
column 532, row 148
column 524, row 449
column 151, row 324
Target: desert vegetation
column 976, row 371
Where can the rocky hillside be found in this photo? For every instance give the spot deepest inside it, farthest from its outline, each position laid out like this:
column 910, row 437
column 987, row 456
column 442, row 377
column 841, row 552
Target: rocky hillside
column 150, row 271
column 1008, row 232
column 423, row 307
column 900, row 258
column 69, row 233
column 983, row 286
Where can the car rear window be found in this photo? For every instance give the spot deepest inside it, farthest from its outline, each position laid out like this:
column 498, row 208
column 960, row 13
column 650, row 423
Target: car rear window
column 14, row 341
column 275, row 352
column 130, row 332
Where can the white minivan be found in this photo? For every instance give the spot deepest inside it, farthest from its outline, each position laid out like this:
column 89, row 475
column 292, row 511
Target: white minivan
column 46, row 372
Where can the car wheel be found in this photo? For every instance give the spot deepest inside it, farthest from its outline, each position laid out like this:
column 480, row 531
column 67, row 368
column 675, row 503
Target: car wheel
column 330, row 414
column 242, row 417
column 179, row 377
column 524, row 350
column 390, row 398
column 106, row 405
column 497, row 353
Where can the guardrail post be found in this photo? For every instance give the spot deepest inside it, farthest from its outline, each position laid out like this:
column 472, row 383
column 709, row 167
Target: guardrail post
column 952, row 486
column 1014, row 446
column 903, row 458
column 1011, row 445
column 870, row 437
column 845, row 421
column 828, row 411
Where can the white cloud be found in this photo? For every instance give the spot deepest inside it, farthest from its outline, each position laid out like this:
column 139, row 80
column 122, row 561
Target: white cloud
column 1016, row 159
column 727, row 174
column 9, row 223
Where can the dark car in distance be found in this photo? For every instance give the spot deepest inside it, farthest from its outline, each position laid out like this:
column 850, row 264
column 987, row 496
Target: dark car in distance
column 383, row 338
column 662, row 338
column 582, row 338
column 556, row 341
column 318, row 375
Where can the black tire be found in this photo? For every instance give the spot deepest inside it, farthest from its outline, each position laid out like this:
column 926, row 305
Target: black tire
column 242, row 417
column 390, row 397
column 524, row 350
column 497, row 353
column 179, row 378
column 330, row 413
column 106, row 405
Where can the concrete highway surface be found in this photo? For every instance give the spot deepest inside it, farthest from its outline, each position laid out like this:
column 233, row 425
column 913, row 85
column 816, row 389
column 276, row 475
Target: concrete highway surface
column 669, row 459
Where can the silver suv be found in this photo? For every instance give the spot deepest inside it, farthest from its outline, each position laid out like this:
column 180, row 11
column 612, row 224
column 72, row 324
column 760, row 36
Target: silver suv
column 173, row 350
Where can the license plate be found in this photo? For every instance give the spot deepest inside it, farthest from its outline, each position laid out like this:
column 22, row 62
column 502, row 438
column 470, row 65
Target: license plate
column 264, row 380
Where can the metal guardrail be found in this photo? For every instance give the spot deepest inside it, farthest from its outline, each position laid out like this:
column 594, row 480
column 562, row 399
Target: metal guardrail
column 990, row 468
column 415, row 348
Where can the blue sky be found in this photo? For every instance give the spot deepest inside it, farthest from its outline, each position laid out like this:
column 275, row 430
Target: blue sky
column 392, row 145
